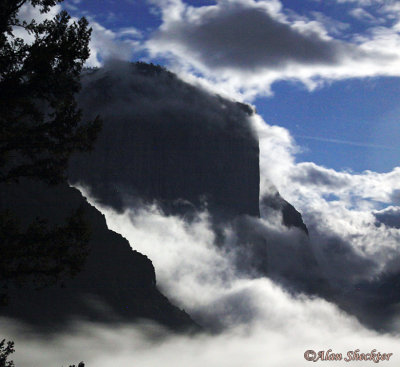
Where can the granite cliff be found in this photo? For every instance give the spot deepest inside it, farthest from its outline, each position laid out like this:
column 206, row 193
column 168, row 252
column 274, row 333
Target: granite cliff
column 167, row 141
column 117, row 284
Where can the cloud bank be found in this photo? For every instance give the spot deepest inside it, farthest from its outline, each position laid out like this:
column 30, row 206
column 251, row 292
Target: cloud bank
column 262, row 322
column 341, row 205
column 107, row 44
column 316, row 326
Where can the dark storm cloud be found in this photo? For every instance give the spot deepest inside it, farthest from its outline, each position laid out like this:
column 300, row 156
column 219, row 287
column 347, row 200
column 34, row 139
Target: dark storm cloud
column 247, row 38
column 389, row 216
column 242, row 47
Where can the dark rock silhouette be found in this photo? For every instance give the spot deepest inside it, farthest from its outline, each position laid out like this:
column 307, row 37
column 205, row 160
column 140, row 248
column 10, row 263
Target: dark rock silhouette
column 117, row 283
column 290, row 216
column 167, row 141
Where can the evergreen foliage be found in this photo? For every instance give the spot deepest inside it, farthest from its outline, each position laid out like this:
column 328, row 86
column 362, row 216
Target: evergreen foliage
column 40, row 127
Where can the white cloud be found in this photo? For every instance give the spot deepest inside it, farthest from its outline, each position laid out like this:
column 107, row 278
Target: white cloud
column 243, row 46
column 362, row 14
column 28, row 13
column 130, row 31
column 196, row 274
column 289, row 328
column 264, row 324
column 106, row 44
column 332, row 25
column 363, row 2
column 336, row 206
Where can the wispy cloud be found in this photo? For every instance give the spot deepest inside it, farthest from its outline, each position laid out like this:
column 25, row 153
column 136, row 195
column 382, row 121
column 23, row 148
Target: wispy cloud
column 346, row 142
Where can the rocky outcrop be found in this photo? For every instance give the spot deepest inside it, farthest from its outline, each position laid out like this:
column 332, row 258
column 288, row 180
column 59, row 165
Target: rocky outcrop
column 168, row 141
column 164, row 140
column 290, row 216
column 117, row 284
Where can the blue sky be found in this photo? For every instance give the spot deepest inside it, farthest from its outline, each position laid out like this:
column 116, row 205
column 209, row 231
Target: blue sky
column 332, row 80
column 351, row 124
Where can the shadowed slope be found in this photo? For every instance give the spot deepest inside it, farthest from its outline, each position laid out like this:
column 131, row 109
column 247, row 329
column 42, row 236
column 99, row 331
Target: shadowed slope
column 117, row 283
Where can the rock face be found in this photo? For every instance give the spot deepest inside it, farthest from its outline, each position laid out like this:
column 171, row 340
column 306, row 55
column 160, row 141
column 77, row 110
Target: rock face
column 290, row 216
column 168, row 141
column 117, row 284
column 164, row 140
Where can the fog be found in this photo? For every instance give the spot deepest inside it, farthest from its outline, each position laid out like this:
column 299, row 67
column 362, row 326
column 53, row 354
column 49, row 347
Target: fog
column 262, row 324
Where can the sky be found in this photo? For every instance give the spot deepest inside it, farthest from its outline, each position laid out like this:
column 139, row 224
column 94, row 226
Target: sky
column 328, row 71
column 324, row 79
